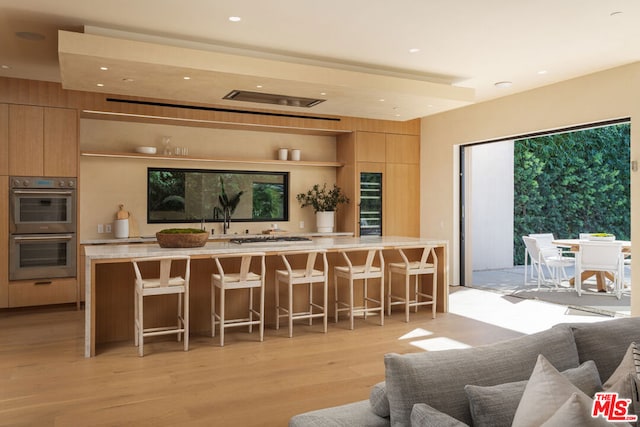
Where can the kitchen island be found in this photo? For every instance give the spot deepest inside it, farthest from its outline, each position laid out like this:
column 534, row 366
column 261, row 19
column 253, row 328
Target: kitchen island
column 108, row 278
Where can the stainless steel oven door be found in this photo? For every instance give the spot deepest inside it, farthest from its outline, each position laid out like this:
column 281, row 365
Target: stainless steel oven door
column 42, row 211
column 38, row 256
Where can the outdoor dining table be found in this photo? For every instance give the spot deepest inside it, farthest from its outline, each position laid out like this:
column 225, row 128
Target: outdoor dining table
column 574, row 246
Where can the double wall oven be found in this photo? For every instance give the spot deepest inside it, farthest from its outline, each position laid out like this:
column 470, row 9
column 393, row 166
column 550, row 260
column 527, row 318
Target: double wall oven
column 42, row 227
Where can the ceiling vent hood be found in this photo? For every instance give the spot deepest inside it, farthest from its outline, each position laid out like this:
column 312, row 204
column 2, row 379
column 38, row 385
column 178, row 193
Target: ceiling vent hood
column 269, row 98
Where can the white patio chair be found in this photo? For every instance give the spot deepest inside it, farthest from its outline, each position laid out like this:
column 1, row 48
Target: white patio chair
column 600, row 257
column 549, row 257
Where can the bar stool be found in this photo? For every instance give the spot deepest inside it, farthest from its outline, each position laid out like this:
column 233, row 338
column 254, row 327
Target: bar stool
column 414, row 268
column 162, row 285
column 364, row 272
column 310, row 275
column 244, row 279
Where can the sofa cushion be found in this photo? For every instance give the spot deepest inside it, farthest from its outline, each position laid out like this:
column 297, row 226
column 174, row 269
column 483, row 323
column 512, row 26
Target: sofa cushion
column 423, row 415
column 495, row 406
column 545, row 392
column 352, row 414
column 378, row 399
column 438, row 378
column 605, row 342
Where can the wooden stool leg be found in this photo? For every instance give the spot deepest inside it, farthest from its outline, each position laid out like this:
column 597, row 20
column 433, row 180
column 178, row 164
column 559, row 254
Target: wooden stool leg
column 406, row 296
column 277, row 303
column 213, row 311
column 351, row 303
column 335, row 288
column 222, row 300
column 290, row 310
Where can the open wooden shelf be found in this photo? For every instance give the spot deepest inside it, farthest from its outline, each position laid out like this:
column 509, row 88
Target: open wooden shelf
column 208, row 159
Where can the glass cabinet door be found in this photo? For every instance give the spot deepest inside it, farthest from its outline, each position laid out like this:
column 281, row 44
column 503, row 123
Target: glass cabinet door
column 370, row 204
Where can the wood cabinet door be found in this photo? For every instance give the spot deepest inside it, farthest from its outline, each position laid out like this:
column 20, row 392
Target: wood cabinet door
column 60, row 142
column 4, row 139
column 402, row 200
column 26, row 135
column 370, row 147
column 4, row 242
column 403, row 148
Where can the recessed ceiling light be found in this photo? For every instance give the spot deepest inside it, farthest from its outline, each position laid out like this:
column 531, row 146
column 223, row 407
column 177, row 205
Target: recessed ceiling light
column 100, row 85
column 259, row 86
column 414, row 50
column 30, row 35
column 541, row 72
column 186, row 78
column 235, row 19
column 323, row 93
column 104, row 68
column 381, row 99
column 503, row 85
column 5, row 67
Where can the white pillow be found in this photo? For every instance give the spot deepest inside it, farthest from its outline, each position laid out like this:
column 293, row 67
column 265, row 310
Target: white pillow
column 576, row 411
column 546, row 391
column 619, row 381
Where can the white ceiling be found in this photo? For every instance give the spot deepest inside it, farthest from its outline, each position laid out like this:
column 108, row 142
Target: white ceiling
column 355, row 51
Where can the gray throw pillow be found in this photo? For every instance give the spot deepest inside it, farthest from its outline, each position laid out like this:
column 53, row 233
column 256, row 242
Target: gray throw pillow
column 378, row 400
column 495, row 406
column 423, row 415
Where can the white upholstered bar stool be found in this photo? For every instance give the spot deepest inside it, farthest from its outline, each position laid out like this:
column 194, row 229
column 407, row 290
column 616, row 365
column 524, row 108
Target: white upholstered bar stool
column 415, row 268
column 362, row 272
column 309, row 275
column 162, row 285
column 244, row 279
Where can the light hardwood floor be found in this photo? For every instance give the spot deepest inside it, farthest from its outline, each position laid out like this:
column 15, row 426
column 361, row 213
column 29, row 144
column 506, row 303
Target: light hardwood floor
column 46, row 381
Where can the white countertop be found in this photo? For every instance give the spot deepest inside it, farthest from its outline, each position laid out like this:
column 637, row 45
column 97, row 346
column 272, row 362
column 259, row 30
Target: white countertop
column 213, row 237
column 124, row 251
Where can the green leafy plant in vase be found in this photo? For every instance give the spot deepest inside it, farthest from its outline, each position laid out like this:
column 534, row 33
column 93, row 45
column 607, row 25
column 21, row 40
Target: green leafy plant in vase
column 324, row 202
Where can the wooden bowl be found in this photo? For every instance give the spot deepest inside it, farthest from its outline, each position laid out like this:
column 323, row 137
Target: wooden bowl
column 182, row 240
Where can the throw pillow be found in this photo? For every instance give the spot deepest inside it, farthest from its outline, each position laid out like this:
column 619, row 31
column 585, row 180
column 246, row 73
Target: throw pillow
column 423, row 415
column 544, row 394
column 378, row 400
column 576, row 411
column 619, row 380
column 495, row 406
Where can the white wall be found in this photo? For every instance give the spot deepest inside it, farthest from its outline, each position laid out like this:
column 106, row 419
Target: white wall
column 609, row 94
column 491, row 205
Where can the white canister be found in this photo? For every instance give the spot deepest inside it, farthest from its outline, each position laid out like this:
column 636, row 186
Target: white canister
column 283, row 153
column 121, row 228
column 295, row 154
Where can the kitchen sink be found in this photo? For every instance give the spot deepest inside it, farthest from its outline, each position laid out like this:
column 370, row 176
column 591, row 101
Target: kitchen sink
column 269, row 239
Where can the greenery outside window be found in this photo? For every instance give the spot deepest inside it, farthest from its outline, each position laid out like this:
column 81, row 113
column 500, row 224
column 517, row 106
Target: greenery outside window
column 194, row 195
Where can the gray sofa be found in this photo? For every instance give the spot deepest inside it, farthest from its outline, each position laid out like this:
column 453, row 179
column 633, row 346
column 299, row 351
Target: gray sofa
column 439, row 378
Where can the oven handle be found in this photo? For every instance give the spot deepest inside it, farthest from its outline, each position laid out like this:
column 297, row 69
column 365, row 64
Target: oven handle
column 43, row 192
column 53, row 237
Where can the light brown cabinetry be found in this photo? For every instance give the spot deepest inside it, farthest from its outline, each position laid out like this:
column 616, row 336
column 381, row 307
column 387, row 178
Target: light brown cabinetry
column 24, row 293
column 43, row 141
column 34, row 141
column 4, row 139
column 397, row 157
column 4, row 242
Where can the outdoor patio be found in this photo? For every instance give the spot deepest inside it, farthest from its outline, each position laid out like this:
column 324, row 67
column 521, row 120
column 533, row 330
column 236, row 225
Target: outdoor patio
column 511, row 282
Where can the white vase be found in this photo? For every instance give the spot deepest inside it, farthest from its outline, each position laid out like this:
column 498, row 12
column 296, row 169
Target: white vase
column 324, row 221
